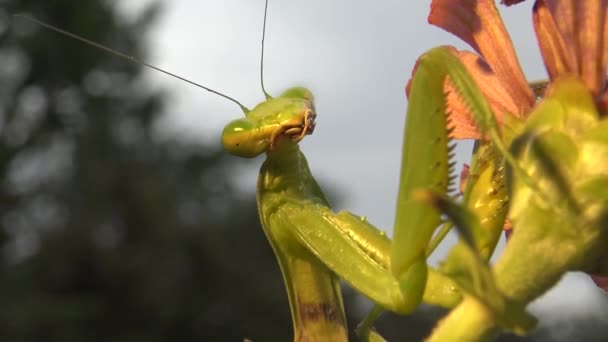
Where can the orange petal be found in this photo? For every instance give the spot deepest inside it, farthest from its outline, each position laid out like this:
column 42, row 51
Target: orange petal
column 600, row 281
column 490, row 84
column 558, row 58
column 605, row 44
column 478, row 23
column 591, row 16
column 492, row 89
column 461, row 120
column 572, row 36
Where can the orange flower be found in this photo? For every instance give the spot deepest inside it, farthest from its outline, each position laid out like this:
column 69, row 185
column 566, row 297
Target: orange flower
column 600, row 281
column 572, row 36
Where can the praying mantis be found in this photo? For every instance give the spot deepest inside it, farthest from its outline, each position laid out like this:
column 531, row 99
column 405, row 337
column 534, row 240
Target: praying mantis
column 316, row 247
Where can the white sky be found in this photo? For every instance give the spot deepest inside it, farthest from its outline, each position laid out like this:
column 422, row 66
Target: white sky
column 356, row 56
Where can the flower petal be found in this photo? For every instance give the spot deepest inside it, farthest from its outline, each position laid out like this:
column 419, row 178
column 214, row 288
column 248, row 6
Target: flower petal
column 572, row 36
column 462, row 125
column 493, row 90
column 490, row 84
column 591, row 16
column 478, row 23
column 558, row 58
column 600, row 281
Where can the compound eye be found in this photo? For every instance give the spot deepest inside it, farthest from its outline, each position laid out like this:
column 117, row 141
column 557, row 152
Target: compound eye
column 239, row 138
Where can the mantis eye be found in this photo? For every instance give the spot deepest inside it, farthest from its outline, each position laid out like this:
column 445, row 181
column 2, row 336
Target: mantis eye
column 241, row 138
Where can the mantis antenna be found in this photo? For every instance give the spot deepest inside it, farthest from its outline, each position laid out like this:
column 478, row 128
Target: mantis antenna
column 131, row 58
column 268, row 97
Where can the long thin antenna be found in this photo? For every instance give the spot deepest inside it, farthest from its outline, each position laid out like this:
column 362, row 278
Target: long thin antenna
column 127, row 57
column 268, row 97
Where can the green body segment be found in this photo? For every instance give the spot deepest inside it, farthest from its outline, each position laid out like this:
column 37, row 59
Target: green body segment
column 485, row 193
column 424, row 165
column 313, row 290
column 486, row 196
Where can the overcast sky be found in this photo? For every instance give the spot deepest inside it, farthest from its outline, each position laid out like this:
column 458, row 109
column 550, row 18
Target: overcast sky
column 356, row 56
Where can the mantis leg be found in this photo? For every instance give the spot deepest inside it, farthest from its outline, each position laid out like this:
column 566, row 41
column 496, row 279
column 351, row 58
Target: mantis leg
column 314, row 245
column 341, row 241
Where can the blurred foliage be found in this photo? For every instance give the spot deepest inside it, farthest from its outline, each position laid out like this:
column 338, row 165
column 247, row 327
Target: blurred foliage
column 108, row 233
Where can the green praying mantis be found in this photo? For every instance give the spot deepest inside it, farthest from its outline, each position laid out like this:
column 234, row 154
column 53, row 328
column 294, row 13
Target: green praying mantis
column 521, row 164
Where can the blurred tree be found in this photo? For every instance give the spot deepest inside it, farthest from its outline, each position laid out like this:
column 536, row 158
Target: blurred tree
column 107, row 233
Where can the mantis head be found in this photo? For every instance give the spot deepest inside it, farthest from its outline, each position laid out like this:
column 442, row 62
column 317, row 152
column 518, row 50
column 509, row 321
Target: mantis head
column 291, row 115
